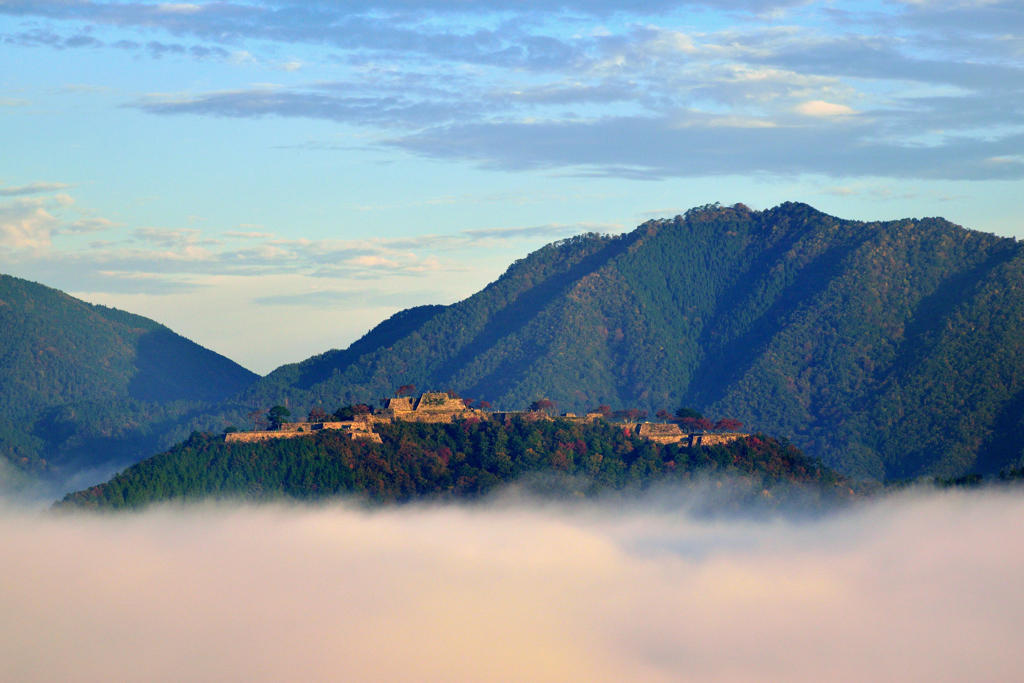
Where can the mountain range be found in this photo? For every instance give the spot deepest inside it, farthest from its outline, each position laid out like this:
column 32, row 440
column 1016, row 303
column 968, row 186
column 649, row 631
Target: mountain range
column 887, row 349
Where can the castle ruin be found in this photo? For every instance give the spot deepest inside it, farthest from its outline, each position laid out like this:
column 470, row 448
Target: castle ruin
column 439, row 407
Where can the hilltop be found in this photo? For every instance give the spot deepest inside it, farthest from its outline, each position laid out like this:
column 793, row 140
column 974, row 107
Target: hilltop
column 458, row 460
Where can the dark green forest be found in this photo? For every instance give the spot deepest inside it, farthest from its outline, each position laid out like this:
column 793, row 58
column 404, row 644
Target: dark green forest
column 87, row 385
column 418, row 461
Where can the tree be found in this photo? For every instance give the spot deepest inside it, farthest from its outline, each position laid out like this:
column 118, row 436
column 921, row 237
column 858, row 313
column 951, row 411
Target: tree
column 696, row 424
column 405, row 390
column 277, row 416
column 345, row 413
column 317, row 414
column 257, row 418
column 630, row 414
column 485, row 405
column 602, row 409
column 542, row 405
column 727, row 424
column 663, row 414
column 684, row 413
column 452, row 393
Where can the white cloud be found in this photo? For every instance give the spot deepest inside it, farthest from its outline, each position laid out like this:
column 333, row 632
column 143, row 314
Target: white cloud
column 27, row 224
column 821, row 108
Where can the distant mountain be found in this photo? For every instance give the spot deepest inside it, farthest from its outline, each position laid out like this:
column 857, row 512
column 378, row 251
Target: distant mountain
column 90, row 386
column 467, row 459
column 888, row 349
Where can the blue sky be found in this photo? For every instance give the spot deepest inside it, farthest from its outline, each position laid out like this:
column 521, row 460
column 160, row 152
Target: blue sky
column 273, row 178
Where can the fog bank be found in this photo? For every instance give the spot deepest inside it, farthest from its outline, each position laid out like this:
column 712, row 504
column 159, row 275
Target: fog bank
column 913, row 588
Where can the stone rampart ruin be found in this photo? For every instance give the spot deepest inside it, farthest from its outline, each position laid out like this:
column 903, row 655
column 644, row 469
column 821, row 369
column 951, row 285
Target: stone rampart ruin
column 671, row 433
column 439, row 407
column 432, row 406
column 358, row 429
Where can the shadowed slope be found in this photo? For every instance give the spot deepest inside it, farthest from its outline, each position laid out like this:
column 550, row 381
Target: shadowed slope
column 85, row 385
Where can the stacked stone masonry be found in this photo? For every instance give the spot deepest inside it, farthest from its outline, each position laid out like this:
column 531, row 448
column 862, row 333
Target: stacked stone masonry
column 439, row 407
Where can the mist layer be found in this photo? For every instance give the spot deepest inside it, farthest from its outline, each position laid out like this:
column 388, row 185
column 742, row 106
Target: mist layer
column 910, row 589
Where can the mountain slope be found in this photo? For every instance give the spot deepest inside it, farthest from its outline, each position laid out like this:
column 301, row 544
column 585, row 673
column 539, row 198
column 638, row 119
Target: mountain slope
column 85, row 385
column 885, row 348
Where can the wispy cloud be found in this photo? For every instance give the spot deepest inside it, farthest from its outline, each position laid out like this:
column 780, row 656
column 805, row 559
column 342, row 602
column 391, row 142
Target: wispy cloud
column 655, row 102
column 33, row 188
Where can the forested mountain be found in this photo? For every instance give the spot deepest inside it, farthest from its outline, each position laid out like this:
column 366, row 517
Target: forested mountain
column 86, row 385
column 888, row 349
column 417, row 461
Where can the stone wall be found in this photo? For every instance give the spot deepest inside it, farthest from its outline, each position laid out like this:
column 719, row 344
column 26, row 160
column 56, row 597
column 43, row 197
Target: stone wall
column 404, row 404
column 250, row 437
column 661, row 433
column 671, row 433
column 439, row 402
column 290, row 430
column 715, row 438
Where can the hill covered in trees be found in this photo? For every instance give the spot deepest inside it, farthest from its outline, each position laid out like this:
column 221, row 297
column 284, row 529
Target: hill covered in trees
column 86, row 385
column 418, row 461
column 888, row 349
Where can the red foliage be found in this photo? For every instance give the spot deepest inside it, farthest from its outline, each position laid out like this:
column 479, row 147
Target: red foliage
column 405, row 390
column 560, row 460
column 695, row 424
column 727, row 424
column 542, row 405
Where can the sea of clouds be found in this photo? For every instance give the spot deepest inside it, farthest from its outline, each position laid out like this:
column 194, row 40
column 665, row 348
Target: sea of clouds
column 916, row 587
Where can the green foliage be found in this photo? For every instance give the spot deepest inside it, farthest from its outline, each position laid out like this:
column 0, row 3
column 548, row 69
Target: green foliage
column 277, row 416
column 452, row 461
column 85, row 385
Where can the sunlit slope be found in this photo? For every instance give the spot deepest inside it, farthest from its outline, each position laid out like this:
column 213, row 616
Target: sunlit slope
column 85, row 384
column 888, row 349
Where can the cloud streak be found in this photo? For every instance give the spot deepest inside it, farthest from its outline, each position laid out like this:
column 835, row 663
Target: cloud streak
column 909, row 589
column 654, row 102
